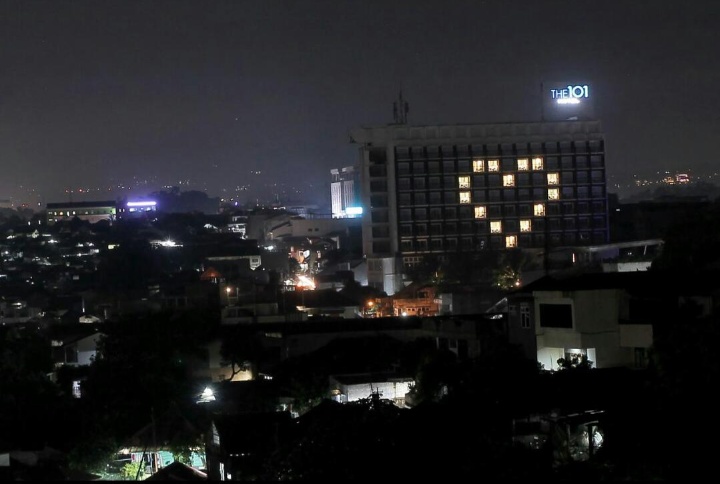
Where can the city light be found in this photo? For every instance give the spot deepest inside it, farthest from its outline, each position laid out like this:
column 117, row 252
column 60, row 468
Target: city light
column 207, row 395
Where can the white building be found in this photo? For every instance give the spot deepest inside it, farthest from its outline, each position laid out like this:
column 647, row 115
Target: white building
column 344, row 193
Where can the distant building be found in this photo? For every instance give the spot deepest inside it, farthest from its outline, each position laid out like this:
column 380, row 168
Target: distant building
column 89, row 211
column 344, row 192
column 137, row 208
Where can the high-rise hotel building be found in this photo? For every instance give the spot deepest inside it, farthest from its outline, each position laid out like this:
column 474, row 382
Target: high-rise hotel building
column 467, row 188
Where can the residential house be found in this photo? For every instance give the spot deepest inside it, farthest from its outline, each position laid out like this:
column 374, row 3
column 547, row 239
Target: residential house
column 607, row 318
column 417, row 299
column 237, row 445
column 359, row 386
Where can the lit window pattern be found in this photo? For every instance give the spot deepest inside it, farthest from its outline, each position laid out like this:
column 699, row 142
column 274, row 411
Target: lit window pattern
column 553, row 194
column 496, row 227
column 508, row 180
column 464, row 197
column 480, row 211
column 478, row 166
column 537, row 163
column 523, row 164
column 493, row 165
column 463, row 182
column 539, row 209
column 525, row 226
column 510, row 241
column 553, row 178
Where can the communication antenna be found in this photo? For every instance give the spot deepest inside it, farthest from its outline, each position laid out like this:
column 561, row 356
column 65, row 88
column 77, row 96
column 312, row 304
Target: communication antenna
column 400, row 109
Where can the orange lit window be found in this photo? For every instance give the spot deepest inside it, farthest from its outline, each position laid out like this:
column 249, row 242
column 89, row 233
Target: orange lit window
column 553, row 178
column 510, row 241
column 537, row 163
column 508, row 180
column 523, row 164
column 464, row 197
column 539, row 209
column 525, row 226
column 478, row 166
column 463, row 182
column 480, row 211
column 496, row 227
column 493, row 165
column 553, row 194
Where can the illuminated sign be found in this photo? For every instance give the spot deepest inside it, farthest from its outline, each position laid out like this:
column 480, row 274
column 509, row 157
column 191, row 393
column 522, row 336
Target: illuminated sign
column 570, row 94
column 142, row 204
column 354, row 210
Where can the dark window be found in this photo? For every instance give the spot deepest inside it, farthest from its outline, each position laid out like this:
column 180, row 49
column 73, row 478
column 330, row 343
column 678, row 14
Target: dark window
column 556, row 316
column 381, row 231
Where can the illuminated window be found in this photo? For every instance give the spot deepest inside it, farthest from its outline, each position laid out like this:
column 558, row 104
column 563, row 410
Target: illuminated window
column 464, row 197
column 525, row 226
column 537, row 163
column 480, row 211
column 463, row 182
column 553, row 178
column 553, row 194
column 539, row 209
column 508, row 180
column 493, row 165
column 478, row 166
column 523, row 164
column 496, row 227
column 510, row 241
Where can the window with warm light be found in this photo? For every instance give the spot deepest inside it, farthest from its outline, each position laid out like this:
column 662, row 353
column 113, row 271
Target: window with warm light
column 539, row 209
column 478, row 166
column 525, row 226
column 480, row 211
column 553, row 178
column 510, row 241
column 464, row 197
column 523, row 164
column 463, row 182
column 553, row 194
column 496, row 227
column 508, row 180
column 493, row 165
column 537, row 163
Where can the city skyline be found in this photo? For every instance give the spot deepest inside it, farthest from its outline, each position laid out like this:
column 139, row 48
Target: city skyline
column 239, row 98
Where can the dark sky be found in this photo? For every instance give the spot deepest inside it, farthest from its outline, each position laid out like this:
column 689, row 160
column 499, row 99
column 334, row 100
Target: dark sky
column 97, row 93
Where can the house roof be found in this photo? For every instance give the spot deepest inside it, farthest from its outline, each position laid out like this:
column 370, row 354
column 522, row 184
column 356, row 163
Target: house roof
column 250, row 432
column 378, row 377
column 177, row 471
column 637, row 282
column 169, row 427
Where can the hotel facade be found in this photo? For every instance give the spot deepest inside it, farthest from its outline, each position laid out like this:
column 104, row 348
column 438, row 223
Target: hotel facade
column 467, row 188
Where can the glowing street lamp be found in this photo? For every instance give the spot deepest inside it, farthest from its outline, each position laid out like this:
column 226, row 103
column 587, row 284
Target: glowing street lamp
column 207, row 396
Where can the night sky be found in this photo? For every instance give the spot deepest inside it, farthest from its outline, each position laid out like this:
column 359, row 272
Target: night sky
column 255, row 98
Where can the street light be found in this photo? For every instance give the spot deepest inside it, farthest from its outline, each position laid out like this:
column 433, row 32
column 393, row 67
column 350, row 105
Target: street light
column 207, row 396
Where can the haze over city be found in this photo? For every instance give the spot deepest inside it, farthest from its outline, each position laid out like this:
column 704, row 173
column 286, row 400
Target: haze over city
column 254, row 100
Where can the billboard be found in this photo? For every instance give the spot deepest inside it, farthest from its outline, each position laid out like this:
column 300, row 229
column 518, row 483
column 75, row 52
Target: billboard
column 567, row 101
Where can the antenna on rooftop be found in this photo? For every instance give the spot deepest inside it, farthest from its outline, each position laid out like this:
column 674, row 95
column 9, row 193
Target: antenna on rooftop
column 400, row 109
